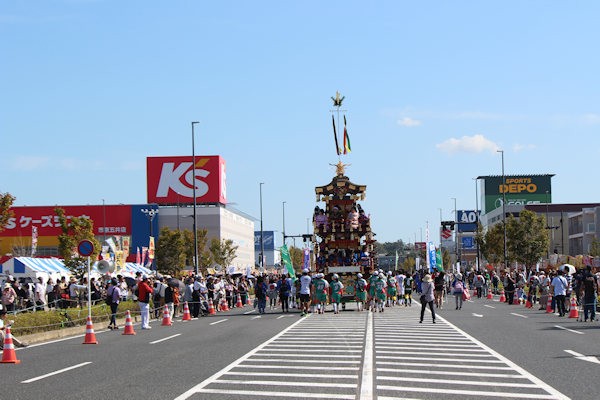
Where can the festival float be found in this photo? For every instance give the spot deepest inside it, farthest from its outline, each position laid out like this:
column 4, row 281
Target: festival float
column 343, row 240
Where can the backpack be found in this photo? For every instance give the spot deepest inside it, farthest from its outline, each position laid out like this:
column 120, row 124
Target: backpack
column 109, row 296
column 458, row 286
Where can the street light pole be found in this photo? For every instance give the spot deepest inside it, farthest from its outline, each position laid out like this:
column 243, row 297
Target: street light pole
column 283, row 204
column 262, row 247
column 477, row 221
column 194, row 194
column 503, row 206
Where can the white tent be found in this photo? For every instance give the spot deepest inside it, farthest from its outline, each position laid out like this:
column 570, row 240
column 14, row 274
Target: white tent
column 31, row 267
column 128, row 270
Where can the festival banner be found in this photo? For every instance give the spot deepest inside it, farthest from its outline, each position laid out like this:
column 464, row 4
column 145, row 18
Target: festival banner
column 287, row 261
column 34, row 240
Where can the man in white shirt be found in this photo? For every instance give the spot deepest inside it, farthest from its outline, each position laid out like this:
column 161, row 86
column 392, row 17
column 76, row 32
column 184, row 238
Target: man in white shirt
column 559, row 287
column 40, row 294
column 305, row 283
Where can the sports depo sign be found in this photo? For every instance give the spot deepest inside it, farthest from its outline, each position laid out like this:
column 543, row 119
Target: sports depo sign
column 171, row 180
column 518, row 189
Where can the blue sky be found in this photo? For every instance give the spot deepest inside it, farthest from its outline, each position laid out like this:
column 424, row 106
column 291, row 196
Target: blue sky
column 90, row 88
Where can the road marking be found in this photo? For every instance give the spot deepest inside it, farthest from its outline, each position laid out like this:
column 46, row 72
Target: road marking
column 60, row 371
column 582, row 357
column 456, row 382
column 554, row 393
column 289, row 375
column 512, row 395
column 201, row 386
column 570, row 330
column 265, row 394
column 167, row 338
column 518, row 315
column 219, row 321
column 250, row 312
column 300, row 367
column 460, row 373
column 366, row 386
column 286, row 383
column 478, row 315
column 488, row 306
column 281, row 316
column 256, row 317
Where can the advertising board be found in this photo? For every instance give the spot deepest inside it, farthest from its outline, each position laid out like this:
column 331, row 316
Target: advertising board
column 108, row 220
column 268, row 240
column 467, row 220
column 170, row 180
column 518, row 189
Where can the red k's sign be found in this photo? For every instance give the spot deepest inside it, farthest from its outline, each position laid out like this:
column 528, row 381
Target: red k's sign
column 171, row 180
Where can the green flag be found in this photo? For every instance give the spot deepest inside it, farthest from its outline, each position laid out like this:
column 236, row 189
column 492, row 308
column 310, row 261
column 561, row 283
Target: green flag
column 287, row 261
column 438, row 260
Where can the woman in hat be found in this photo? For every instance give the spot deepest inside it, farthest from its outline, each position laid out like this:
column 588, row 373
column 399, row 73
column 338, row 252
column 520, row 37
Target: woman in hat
column 427, row 297
column 458, row 287
column 9, row 296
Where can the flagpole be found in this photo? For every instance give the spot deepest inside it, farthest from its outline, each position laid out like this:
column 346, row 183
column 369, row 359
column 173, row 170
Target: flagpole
column 337, row 103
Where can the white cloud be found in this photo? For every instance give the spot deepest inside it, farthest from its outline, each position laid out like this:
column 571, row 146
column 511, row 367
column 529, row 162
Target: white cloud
column 29, row 163
column 591, row 119
column 467, row 144
column 409, row 122
column 521, row 147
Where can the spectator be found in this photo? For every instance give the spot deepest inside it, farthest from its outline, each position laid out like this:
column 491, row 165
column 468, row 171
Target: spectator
column 169, row 300
column 438, row 285
column 260, row 291
column 50, row 293
column 284, row 293
column 305, row 282
column 4, row 322
column 589, row 293
column 40, row 294
column 9, row 297
column 272, row 292
column 114, row 295
column 427, row 297
column 243, row 290
column 458, row 287
column 559, row 288
column 337, row 288
column 144, row 292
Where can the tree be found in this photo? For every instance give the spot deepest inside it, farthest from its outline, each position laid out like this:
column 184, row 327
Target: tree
column 409, row 264
column 297, row 256
column 491, row 243
column 446, row 259
column 595, row 248
column 527, row 238
column 74, row 230
column 223, row 252
column 6, row 202
column 171, row 251
column 390, row 248
column 204, row 257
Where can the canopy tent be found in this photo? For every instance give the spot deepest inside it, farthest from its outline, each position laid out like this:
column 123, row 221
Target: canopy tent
column 23, row 267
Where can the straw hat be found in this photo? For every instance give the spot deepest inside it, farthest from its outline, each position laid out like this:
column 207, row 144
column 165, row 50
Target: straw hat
column 427, row 278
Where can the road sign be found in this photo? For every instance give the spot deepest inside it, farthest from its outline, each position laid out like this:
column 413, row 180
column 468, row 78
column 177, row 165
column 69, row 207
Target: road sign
column 85, row 248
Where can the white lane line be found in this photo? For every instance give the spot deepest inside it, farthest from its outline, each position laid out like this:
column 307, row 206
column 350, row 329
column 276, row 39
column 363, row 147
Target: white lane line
column 316, row 349
column 438, row 365
column 60, row 371
column 256, row 317
column 289, row 375
column 570, row 330
column 434, row 348
column 441, row 354
column 301, row 367
column 219, row 321
column 281, row 316
column 451, row 373
column 478, row 315
column 265, row 353
column 488, row 306
column 167, row 338
column 264, row 394
column 512, row 395
column 440, row 359
column 250, row 312
column 455, row 382
column 555, row 393
column 200, row 387
column 518, row 315
column 286, row 383
column 366, row 386
column 582, row 357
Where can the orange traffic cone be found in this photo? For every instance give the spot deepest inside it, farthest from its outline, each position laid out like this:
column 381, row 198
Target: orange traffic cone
column 90, row 336
column 549, row 305
column 211, row 307
column 9, row 355
column 528, row 303
column 186, row 312
column 490, row 296
column 128, row 325
column 166, row 317
column 502, row 297
column 573, row 312
column 239, row 301
column 224, row 305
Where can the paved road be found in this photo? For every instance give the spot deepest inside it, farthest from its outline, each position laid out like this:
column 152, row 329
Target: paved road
column 486, row 350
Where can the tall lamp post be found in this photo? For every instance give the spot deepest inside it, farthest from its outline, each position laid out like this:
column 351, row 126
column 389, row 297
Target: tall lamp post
column 503, row 206
column 150, row 213
column 283, row 204
column 262, row 246
column 194, row 194
column 477, row 222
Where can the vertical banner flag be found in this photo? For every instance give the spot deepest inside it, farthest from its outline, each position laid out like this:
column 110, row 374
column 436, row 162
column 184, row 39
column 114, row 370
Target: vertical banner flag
column 138, row 256
column 287, row 261
column 306, row 258
column 144, row 252
column 438, row 260
column 347, row 148
column 126, row 245
column 432, row 256
column 34, row 240
column 105, row 254
column 111, row 244
column 396, row 265
column 418, row 263
column 151, row 249
column 119, row 260
column 337, row 146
